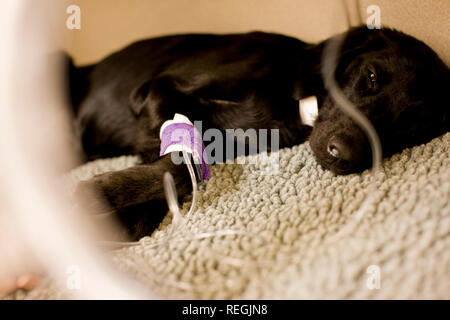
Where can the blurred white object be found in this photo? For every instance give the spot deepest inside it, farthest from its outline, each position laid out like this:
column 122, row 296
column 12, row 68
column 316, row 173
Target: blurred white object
column 37, row 225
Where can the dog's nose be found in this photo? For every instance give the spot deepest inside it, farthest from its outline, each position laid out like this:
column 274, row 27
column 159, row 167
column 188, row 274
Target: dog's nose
column 339, row 149
column 347, row 152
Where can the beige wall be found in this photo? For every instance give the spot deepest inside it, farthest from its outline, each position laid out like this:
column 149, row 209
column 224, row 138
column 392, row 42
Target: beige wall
column 428, row 20
column 108, row 25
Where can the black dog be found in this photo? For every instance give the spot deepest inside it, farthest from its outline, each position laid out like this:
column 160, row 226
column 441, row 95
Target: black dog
column 247, row 81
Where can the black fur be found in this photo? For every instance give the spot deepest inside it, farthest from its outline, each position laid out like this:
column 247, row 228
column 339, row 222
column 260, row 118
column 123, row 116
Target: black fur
column 247, row 81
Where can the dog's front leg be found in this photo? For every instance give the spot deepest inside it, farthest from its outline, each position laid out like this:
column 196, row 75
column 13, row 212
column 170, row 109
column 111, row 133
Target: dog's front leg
column 138, row 184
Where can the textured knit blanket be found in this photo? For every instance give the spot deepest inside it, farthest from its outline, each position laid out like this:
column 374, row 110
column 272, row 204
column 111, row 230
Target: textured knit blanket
column 257, row 233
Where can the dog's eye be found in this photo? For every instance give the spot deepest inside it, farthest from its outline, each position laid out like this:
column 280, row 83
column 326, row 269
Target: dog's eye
column 373, row 81
column 372, row 77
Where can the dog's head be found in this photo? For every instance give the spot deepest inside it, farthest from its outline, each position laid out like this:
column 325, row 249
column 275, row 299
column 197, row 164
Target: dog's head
column 398, row 83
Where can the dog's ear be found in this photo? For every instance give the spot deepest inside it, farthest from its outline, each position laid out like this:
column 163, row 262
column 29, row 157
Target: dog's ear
column 423, row 120
column 443, row 101
column 139, row 97
column 446, row 104
column 436, row 89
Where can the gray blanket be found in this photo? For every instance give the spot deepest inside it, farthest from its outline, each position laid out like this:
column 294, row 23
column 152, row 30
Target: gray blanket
column 258, row 233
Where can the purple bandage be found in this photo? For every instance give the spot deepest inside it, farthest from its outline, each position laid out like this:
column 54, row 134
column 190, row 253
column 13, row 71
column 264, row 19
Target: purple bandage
column 185, row 137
